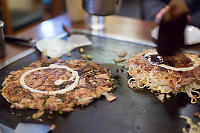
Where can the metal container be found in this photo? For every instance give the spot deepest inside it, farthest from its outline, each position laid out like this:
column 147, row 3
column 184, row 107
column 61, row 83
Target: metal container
column 2, row 43
column 101, row 7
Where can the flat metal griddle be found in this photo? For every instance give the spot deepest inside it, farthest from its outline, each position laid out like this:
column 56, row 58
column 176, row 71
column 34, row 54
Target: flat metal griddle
column 132, row 112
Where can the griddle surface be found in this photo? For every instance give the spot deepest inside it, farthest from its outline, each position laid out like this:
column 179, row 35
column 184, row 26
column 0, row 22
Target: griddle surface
column 132, row 112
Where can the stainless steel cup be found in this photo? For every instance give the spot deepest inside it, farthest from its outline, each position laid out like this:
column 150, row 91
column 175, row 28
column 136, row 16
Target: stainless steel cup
column 2, row 43
column 101, row 7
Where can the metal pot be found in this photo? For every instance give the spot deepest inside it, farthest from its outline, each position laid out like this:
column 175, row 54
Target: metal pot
column 101, row 7
column 2, row 44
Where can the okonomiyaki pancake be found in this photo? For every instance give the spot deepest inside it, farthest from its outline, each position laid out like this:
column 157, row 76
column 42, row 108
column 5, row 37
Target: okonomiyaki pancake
column 57, row 85
column 170, row 74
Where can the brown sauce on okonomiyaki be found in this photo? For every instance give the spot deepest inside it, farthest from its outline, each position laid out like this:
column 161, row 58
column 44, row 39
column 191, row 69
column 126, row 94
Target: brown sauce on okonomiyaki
column 178, row 61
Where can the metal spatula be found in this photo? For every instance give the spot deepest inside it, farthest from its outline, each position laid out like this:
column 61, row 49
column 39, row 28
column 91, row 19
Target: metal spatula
column 75, row 38
column 55, row 48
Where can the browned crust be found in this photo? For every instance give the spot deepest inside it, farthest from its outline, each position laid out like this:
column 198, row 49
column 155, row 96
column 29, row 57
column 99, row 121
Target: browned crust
column 94, row 81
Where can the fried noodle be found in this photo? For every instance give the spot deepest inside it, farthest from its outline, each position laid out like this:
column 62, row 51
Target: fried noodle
column 165, row 79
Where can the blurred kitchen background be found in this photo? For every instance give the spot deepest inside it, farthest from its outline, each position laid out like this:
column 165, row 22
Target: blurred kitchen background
column 20, row 14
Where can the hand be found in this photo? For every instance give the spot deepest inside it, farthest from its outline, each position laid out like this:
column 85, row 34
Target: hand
column 163, row 12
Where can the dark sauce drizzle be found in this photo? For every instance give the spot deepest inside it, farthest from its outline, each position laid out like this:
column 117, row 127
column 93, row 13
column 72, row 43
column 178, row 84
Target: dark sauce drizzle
column 174, row 61
column 155, row 59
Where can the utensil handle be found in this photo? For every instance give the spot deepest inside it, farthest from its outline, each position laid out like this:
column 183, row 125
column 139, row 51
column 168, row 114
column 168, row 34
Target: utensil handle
column 17, row 39
column 67, row 29
column 23, row 41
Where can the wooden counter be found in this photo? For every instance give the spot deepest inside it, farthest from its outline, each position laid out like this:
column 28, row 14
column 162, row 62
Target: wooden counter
column 116, row 26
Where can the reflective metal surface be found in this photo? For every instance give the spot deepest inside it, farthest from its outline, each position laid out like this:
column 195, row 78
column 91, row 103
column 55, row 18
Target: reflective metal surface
column 116, row 37
column 101, row 7
column 24, row 53
column 17, row 57
column 132, row 111
column 2, row 42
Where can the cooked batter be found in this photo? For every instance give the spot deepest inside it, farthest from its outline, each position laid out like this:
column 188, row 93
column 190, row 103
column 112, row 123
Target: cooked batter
column 179, row 73
column 38, row 85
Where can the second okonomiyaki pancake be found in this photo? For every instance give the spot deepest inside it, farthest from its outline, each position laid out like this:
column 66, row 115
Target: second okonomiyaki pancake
column 170, row 74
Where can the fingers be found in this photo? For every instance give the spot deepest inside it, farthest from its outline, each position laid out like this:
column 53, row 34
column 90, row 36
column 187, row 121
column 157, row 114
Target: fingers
column 161, row 14
column 163, row 11
column 188, row 17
